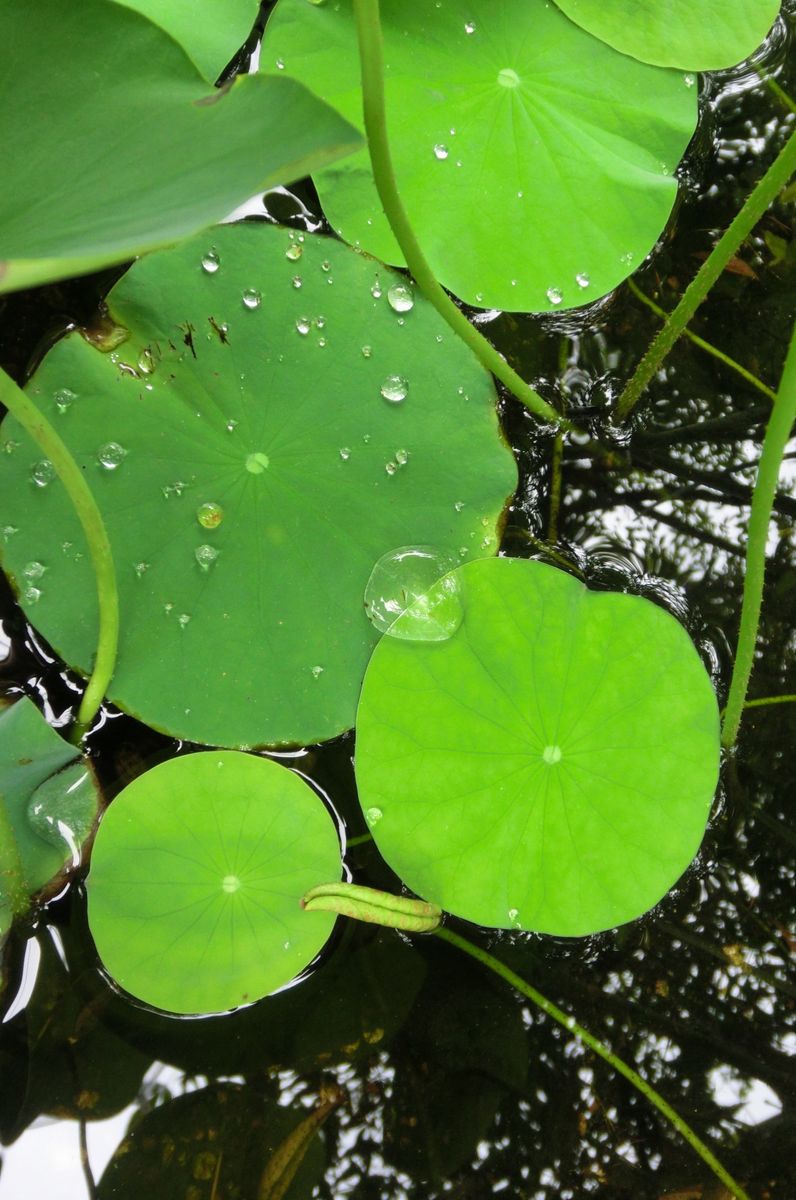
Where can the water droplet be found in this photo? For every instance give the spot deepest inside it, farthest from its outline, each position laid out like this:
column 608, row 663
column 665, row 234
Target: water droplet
column 412, row 583
column 294, row 251
column 394, row 389
column 211, row 261
column 206, row 555
column 400, row 298
column 689, row 80
column 555, row 295
column 508, row 78
column 280, row 64
column 459, row 505
column 582, row 279
column 9, row 531
column 303, row 326
column 326, row 265
column 146, row 361
column 297, row 281
column 402, row 457
column 31, row 594
column 173, row 489
column 168, row 608
column 373, row 816
column 42, row 473
column 375, row 290
column 140, row 568
column 111, row 455
column 210, row 515
column 322, row 342
column 514, row 918
column 63, row 399
column 33, row 570
column 441, row 152
column 390, row 468
column 286, row 945
column 316, row 672
column 9, row 446
column 469, row 27
column 626, row 258
column 251, row 298
column 551, row 755
column 183, row 619
column 232, row 425
column 367, row 351
column 345, row 453
column 257, row 462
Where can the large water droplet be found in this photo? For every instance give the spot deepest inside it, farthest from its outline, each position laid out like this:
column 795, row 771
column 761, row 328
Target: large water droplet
column 42, row 473
column 111, row 455
column 555, row 295
column 412, row 583
column 211, row 261
column 303, row 326
column 63, row 399
column 402, row 457
column 400, row 298
column 469, row 27
column 294, row 251
column 582, row 279
column 251, row 298
column 31, row 594
column 257, row 462
column 33, row 570
column 441, row 152
column 206, row 556
column 345, row 453
column 394, row 389
column 210, row 515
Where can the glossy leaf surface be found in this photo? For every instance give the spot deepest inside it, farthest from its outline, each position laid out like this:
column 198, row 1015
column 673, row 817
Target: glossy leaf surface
column 552, row 765
column 251, row 472
column 209, row 30
column 48, row 794
column 196, row 876
column 146, row 155
column 535, row 163
column 695, row 35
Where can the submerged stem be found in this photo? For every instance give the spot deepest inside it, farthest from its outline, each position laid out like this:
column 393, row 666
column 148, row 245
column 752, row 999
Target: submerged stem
column 372, row 63
column 776, row 438
column 599, row 1048
column 42, row 432
column 759, row 199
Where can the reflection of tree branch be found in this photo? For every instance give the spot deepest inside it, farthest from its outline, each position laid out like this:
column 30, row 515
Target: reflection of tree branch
column 722, row 481
column 693, row 531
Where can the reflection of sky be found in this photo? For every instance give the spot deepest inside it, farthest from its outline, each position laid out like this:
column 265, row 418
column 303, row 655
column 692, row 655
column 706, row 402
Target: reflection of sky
column 756, row 1101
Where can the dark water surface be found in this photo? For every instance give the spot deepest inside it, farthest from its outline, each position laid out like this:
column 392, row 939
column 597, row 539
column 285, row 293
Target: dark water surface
column 439, row 1079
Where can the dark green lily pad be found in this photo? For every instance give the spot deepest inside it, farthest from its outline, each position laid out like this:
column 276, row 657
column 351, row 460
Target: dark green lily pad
column 552, row 765
column 210, row 30
column 196, row 876
column 696, row 35
column 251, row 472
column 48, row 795
column 143, row 155
column 535, row 163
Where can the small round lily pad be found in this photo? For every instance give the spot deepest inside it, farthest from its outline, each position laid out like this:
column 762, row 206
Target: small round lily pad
column 551, row 766
column 196, row 876
column 535, row 162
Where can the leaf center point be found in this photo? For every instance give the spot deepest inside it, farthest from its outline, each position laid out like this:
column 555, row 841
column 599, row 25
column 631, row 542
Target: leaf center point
column 257, row 462
column 508, row 78
column 551, row 755
column 230, row 884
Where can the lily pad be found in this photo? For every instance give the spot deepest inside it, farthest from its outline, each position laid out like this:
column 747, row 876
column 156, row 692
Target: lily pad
column 209, row 30
column 552, row 765
column 695, row 35
column 253, row 459
column 535, row 163
column 196, row 875
column 48, row 795
column 144, row 156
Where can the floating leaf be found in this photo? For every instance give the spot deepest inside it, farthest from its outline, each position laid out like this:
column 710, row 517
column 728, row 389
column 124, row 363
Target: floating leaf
column 196, row 876
column 142, row 157
column 695, row 35
column 549, row 767
column 48, row 796
column 209, row 30
column 251, row 471
column 536, row 163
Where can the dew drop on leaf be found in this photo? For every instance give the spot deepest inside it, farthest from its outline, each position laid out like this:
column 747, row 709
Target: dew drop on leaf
column 400, row 298
column 211, row 262
column 42, row 473
column 111, row 455
column 394, row 389
column 413, row 583
column 210, row 515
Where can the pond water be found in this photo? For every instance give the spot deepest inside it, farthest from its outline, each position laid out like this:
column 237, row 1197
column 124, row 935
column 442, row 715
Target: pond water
column 426, row 1076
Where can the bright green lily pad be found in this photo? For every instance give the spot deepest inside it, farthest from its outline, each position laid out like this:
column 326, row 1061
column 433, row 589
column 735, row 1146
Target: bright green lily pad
column 536, row 163
column 254, row 472
column 145, row 155
column 196, row 875
column 48, row 795
column 210, row 30
column 695, row 35
column 552, row 765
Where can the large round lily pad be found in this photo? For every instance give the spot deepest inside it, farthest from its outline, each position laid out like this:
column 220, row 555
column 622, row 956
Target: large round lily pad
column 252, row 456
column 696, row 35
column 196, row 876
column 534, row 161
column 549, row 767
column 113, row 143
